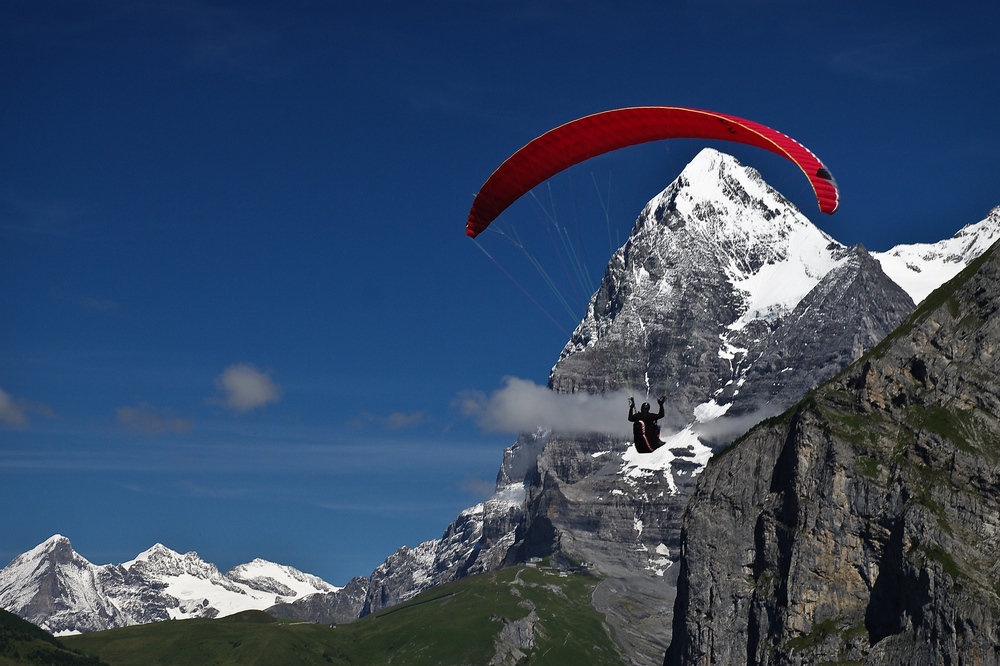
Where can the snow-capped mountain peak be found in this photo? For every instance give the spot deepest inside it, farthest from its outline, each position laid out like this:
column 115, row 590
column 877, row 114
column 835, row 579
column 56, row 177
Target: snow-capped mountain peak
column 52, row 584
column 156, row 556
column 920, row 268
column 54, row 545
column 719, row 244
column 158, row 550
column 769, row 251
column 277, row 578
column 160, row 561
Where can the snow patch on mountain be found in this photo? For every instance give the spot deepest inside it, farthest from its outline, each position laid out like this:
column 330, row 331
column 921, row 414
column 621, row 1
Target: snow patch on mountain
column 660, row 561
column 780, row 284
column 511, row 495
column 708, row 411
column 920, row 268
column 637, row 465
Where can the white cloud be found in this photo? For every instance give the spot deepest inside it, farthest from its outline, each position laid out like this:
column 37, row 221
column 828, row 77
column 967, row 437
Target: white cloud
column 245, row 388
column 725, row 429
column 523, row 406
column 46, row 218
column 398, row 420
column 11, row 413
column 479, row 487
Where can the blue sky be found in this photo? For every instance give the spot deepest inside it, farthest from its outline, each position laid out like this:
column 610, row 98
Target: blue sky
column 239, row 311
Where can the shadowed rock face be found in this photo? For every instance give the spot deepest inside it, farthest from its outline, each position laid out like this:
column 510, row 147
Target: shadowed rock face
column 864, row 524
column 340, row 607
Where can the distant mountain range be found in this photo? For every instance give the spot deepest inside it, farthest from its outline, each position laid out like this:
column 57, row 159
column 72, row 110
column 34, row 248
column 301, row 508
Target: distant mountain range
column 725, row 297
column 54, row 587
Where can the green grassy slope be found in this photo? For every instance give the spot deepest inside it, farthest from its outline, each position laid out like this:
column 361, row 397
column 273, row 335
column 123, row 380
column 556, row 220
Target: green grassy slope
column 21, row 642
column 456, row 623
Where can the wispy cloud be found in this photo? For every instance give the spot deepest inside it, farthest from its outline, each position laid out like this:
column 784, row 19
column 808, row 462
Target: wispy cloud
column 12, row 414
column 245, row 388
column 479, row 487
column 241, row 38
column 188, row 487
column 523, row 406
column 234, row 447
column 458, row 100
column 223, row 36
column 150, row 421
column 249, row 41
column 892, row 60
column 393, row 421
column 727, row 428
column 14, row 411
column 387, row 508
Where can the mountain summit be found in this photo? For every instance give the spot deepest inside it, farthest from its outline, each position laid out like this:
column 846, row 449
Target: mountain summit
column 717, row 297
column 57, row 589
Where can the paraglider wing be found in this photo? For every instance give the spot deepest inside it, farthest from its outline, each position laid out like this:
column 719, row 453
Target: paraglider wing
column 600, row 133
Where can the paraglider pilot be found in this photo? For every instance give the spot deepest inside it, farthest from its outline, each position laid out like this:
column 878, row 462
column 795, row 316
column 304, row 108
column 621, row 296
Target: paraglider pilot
column 644, row 427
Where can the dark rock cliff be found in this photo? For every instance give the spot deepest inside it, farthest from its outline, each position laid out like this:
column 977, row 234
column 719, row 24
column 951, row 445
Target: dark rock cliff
column 863, row 525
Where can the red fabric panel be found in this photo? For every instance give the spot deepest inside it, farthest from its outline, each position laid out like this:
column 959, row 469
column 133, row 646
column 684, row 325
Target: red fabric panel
column 600, row 133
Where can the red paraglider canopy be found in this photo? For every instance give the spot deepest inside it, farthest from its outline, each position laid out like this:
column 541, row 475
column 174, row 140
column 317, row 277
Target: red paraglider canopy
column 600, row 133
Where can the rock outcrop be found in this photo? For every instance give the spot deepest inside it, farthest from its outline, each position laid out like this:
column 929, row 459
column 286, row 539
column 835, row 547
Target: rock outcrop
column 863, row 525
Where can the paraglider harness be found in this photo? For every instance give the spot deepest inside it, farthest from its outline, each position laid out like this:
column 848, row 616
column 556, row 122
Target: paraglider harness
column 645, row 430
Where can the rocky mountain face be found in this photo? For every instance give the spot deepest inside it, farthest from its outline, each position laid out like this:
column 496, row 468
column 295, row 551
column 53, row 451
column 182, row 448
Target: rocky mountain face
column 60, row 591
column 57, row 589
column 862, row 526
